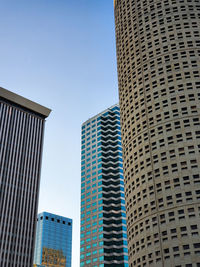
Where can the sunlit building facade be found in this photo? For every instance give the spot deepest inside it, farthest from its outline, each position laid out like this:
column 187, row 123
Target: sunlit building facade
column 53, row 245
column 103, row 218
column 158, row 54
column 22, row 125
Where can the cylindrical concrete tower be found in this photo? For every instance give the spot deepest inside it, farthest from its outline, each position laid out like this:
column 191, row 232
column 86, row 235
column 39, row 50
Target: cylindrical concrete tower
column 158, row 53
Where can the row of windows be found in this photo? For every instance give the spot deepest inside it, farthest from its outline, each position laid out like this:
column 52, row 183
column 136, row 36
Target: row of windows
column 89, row 140
column 141, row 127
column 94, row 217
column 88, row 156
column 94, row 260
column 90, row 153
column 176, row 126
column 91, row 226
column 89, row 239
column 53, row 220
column 89, row 254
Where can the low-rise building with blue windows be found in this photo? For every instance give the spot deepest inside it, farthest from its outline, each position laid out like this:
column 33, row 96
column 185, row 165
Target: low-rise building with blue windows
column 53, row 246
column 103, row 217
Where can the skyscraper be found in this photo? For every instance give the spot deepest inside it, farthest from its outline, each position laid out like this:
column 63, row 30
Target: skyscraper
column 158, row 54
column 21, row 140
column 53, row 245
column 103, row 218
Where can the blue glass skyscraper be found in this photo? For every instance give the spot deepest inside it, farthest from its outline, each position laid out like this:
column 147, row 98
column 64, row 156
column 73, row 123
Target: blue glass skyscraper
column 103, row 218
column 53, row 245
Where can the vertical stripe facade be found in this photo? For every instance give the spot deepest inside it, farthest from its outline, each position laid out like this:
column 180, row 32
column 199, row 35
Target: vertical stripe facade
column 21, row 138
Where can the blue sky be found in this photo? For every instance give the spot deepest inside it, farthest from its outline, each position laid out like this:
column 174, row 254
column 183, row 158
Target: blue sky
column 61, row 54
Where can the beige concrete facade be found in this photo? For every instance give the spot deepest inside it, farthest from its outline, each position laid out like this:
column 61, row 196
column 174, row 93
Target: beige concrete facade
column 158, row 54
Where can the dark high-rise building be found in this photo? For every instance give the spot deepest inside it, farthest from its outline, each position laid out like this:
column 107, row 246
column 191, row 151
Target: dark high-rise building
column 53, row 246
column 21, row 140
column 158, row 54
column 103, row 217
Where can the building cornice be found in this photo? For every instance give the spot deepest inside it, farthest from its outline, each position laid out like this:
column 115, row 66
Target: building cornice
column 24, row 102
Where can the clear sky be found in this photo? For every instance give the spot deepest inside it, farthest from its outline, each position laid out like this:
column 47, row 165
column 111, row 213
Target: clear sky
column 61, row 54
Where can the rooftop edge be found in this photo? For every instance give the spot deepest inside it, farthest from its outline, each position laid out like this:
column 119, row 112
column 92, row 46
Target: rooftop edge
column 100, row 113
column 24, row 102
column 45, row 213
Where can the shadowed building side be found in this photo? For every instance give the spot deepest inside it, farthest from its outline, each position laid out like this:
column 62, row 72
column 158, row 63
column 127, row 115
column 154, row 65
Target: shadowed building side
column 21, row 141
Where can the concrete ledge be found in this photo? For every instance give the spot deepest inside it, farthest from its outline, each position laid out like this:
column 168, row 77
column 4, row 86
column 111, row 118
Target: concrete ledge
column 24, row 102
